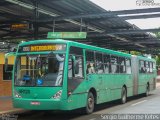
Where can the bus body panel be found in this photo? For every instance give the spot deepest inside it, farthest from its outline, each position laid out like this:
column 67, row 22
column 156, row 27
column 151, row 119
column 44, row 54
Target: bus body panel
column 109, row 86
column 48, row 104
column 37, row 92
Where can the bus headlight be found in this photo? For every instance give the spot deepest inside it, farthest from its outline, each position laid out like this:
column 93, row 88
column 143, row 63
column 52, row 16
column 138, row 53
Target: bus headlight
column 16, row 95
column 57, row 95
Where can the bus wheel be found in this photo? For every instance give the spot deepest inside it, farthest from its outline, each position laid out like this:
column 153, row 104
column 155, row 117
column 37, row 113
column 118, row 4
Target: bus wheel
column 90, row 103
column 147, row 90
column 123, row 95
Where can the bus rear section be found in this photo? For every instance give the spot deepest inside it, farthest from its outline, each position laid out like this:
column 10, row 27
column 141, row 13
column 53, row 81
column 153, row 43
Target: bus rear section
column 144, row 75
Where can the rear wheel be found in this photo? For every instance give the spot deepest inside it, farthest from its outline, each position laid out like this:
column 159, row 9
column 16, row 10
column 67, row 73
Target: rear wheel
column 90, row 103
column 123, row 95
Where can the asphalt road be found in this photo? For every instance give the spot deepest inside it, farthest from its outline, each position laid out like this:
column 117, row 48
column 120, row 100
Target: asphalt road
column 134, row 105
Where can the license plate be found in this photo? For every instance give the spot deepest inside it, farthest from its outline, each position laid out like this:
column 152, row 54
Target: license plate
column 35, row 103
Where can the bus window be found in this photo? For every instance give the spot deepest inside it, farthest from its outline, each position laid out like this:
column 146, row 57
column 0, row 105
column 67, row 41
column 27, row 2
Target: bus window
column 142, row 66
column 147, row 67
column 70, row 74
column 114, row 64
column 90, row 62
column 128, row 66
column 122, row 66
column 39, row 70
column 150, row 67
column 78, row 68
column 106, row 63
column 78, row 65
column 75, row 68
column 99, row 63
column 154, row 66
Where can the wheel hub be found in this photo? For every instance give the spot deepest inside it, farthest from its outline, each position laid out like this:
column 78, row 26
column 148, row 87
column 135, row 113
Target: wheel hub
column 90, row 102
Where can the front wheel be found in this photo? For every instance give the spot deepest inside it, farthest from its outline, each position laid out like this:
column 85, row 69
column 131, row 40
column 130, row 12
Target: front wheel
column 90, row 103
column 123, row 95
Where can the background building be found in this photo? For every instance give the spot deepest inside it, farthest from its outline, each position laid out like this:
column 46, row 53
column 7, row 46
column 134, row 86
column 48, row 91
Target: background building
column 5, row 77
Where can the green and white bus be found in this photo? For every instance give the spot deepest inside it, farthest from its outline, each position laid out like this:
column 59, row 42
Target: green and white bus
column 66, row 75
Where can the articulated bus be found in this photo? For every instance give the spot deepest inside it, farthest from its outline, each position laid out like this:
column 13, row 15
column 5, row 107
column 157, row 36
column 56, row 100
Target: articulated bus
column 66, row 75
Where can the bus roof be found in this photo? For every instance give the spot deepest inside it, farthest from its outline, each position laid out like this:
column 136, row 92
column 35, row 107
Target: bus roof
column 146, row 58
column 45, row 41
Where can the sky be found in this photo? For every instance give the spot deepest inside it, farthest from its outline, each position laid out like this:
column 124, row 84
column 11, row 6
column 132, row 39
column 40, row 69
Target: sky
column 114, row 5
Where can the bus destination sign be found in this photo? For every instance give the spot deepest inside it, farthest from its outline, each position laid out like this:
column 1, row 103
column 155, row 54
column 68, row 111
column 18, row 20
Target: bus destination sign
column 65, row 35
column 38, row 48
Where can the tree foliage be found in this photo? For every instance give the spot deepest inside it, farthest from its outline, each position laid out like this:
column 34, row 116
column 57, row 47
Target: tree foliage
column 157, row 34
column 158, row 60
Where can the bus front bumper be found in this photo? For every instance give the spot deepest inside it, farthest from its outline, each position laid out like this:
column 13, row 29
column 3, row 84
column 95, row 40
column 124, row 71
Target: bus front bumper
column 40, row 104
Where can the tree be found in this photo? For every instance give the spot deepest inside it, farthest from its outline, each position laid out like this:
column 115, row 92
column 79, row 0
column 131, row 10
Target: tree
column 157, row 33
column 158, row 60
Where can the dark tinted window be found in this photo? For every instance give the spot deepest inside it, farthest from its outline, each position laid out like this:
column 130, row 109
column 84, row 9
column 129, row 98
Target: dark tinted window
column 7, row 75
column 76, row 51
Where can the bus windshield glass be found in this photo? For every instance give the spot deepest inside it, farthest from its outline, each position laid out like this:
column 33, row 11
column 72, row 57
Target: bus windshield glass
column 39, row 70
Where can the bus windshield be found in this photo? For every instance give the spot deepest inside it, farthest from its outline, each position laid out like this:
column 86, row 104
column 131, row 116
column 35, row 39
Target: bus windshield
column 39, row 70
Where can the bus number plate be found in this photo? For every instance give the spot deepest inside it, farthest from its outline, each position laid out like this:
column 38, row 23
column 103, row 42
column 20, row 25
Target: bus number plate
column 35, row 103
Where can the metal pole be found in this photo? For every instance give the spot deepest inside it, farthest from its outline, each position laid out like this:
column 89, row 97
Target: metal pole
column 81, row 25
column 53, row 25
column 35, row 19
